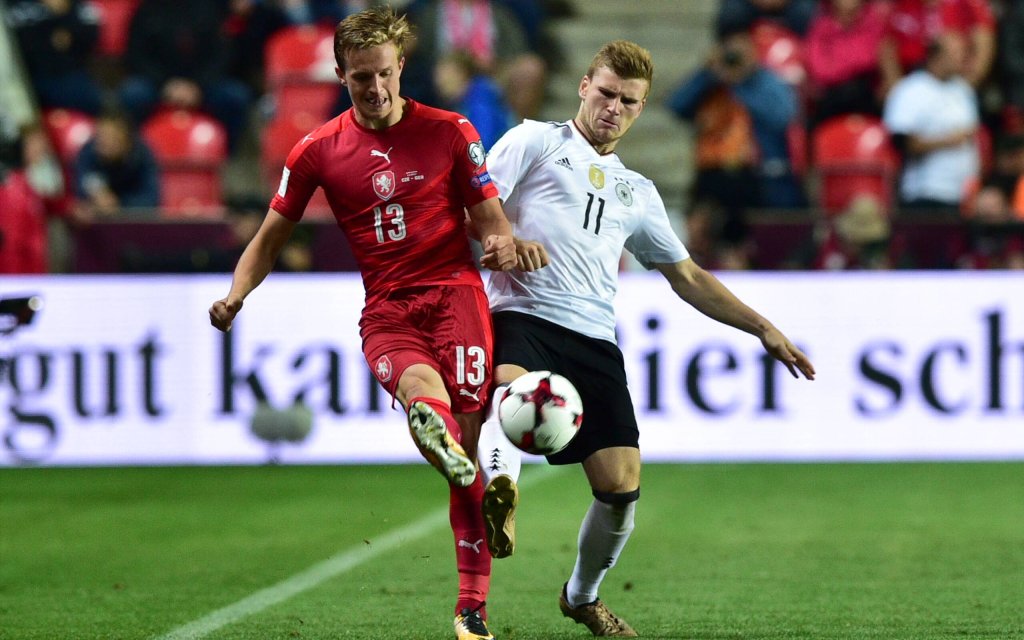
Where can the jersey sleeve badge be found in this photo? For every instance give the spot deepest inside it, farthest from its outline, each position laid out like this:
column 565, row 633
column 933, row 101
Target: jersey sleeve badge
column 477, row 153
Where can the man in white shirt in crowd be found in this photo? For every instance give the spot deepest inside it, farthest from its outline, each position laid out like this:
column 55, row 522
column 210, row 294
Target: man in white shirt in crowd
column 569, row 196
column 932, row 115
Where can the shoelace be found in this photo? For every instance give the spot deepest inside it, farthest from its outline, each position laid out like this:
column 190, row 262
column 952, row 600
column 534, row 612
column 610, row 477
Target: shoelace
column 473, row 622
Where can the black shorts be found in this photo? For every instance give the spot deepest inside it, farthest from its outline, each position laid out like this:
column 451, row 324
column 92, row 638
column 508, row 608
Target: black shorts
column 593, row 366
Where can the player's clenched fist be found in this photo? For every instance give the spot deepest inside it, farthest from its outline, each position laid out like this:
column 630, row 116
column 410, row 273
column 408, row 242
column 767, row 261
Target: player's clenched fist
column 531, row 255
column 223, row 313
column 499, row 253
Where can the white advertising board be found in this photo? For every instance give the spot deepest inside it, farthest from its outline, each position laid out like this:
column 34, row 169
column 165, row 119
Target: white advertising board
column 127, row 370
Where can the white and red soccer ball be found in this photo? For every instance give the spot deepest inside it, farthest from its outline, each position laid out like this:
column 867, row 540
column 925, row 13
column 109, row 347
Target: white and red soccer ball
column 541, row 412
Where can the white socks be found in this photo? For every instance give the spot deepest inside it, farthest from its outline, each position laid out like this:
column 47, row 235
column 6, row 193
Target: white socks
column 603, row 534
column 496, row 454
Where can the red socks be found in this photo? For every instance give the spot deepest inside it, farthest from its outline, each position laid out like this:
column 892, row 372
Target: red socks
column 472, row 558
column 443, row 410
column 471, row 555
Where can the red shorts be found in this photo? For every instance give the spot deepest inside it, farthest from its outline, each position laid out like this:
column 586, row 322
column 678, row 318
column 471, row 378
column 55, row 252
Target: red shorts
column 447, row 327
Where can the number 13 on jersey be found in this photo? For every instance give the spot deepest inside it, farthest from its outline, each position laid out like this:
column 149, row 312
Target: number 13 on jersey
column 471, row 365
column 393, row 215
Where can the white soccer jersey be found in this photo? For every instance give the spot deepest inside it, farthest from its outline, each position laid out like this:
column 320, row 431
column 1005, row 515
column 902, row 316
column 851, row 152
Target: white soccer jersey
column 584, row 208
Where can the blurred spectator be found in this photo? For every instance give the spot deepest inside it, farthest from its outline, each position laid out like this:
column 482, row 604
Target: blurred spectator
column 329, row 12
column 1002, row 190
column 465, row 89
column 993, row 236
column 243, row 219
column 248, row 27
column 490, row 33
column 533, row 16
column 914, row 24
column 31, row 191
column 1011, row 62
column 933, row 117
column 182, row 63
column 795, row 15
column 741, row 112
column 843, row 57
column 57, row 39
column 115, row 170
column 859, row 237
column 709, row 241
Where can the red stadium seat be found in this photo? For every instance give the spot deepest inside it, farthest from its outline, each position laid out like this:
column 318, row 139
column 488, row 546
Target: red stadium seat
column 191, row 148
column 780, row 50
column 853, row 155
column 68, row 131
column 279, row 137
column 300, row 71
column 313, row 98
column 300, row 53
column 186, row 136
column 115, row 18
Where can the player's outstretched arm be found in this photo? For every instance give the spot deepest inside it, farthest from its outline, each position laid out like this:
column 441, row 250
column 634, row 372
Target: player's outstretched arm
column 256, row 262
column 495, row 234
column 708, row 295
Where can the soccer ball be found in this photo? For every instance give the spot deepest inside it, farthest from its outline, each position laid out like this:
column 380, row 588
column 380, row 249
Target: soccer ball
column 541, row 412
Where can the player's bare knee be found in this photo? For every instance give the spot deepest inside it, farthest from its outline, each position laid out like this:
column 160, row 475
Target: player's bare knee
column 420, row 380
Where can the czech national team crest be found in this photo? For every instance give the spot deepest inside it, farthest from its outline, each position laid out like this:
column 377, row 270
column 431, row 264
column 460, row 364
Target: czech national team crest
column 383, row 368
column 384, row 184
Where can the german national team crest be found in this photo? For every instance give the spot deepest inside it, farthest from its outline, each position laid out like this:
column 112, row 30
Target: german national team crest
column 596, row 176
column 383, row 368
column 624, row 193
column 384, row 184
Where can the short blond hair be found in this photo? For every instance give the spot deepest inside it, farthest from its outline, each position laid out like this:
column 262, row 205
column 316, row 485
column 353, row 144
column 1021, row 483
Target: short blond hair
column 627, row 59
column 371, row 28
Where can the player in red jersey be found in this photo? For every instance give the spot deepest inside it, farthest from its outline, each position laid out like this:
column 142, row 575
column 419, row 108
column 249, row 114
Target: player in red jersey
column 399, row 177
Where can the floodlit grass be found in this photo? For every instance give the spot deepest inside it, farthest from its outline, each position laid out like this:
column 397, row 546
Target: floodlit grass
column 720, row 552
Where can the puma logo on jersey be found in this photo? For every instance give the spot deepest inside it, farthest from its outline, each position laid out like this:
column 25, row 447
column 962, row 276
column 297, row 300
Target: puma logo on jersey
column 475, row 546
column 382, row 154
column 309, row 136
column 463, row 121
column 564, row 162
column 471, row 394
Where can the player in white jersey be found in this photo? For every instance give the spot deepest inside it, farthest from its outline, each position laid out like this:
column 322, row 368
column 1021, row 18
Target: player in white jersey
column 572, row 202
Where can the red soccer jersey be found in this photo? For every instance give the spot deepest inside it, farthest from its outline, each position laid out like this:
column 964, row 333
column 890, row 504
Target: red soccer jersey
column 398, row 194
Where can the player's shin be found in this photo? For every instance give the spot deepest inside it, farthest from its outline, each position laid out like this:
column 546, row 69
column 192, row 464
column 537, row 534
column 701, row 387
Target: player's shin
column 471, row 556
column 499, row 464
column 496, row 454
column 603, row 534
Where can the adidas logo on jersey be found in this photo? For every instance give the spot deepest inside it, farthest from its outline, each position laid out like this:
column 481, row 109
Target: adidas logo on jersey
column 564, row 162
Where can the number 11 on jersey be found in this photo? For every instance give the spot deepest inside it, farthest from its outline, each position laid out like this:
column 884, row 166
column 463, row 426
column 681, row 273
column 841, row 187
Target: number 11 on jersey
column 600, row 212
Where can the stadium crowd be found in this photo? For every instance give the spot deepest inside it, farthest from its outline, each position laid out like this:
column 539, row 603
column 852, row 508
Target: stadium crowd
column 872, row 122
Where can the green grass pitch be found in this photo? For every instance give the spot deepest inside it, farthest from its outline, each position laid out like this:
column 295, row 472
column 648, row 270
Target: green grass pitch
column 720, row 552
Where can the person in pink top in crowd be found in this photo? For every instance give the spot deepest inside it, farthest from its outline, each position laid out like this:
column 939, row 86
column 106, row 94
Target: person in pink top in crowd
column 914, row 24
column 843, row 51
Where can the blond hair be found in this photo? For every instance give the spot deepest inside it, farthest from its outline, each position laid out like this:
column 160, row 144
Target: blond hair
column 371, row 28
column 627, row 59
